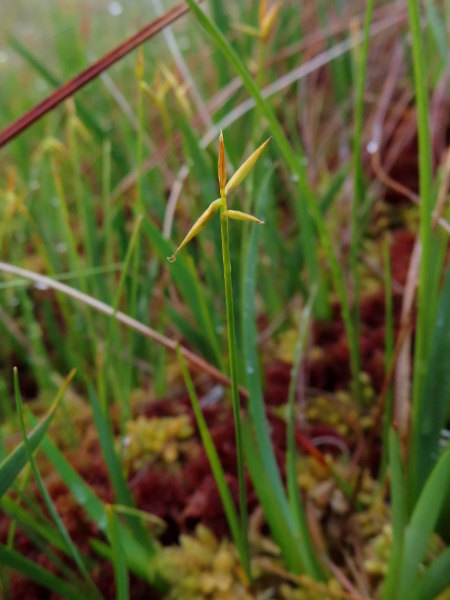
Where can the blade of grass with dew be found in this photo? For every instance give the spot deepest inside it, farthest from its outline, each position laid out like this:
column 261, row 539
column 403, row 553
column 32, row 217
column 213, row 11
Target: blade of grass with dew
column 121, row 489
column 435, row 579
column 216, row 468
column 423, row 520
column 432, row 412
column 73, row 550
column 424, row 326
column 398, row 504
column 295, row 501
column 118, row 556
column 14, row 462
column 298, row 170
column 14, row 560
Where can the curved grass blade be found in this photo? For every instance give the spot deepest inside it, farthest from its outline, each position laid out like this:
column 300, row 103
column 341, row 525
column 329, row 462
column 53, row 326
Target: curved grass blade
column 422, row 524
column 14, row 462
column 435, row 579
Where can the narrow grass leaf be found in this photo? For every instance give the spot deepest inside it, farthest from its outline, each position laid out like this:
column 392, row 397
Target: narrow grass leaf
column 295, row 501
column 14, row 462
column 435, row 579
column 216, row 467
column 398, row 503
column 73, row 550
column 422, row 524
column 118, row 556
column 277, row 513
column 121, row 489
column 431, row 417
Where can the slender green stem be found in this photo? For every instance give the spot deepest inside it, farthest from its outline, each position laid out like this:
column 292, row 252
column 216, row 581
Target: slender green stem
column 358, row 183
column 424, row 327
column 234, row 380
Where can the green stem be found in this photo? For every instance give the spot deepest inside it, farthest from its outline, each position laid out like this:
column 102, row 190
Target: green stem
column 358, row 184
column 234, row 381
column 424, row 326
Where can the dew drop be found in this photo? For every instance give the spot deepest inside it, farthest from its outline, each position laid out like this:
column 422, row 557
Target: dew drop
column 372, row 147
column 115, row 9
column 39, row 285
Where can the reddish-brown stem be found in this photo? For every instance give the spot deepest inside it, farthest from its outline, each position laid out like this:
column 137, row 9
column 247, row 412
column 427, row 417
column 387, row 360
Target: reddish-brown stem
column 79, row 81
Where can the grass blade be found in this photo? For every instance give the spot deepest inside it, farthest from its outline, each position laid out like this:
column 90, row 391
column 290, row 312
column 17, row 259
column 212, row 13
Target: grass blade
column 73, row 550
column 118, row 556
column 431, row 419
column 295, row 501
column 14, row 462
column 398, row 503
column 422, row 524
column 121, row 489
column 435, row 579
column 214, row 461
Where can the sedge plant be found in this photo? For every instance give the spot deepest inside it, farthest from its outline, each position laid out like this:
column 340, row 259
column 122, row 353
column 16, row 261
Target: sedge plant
column 225, row 214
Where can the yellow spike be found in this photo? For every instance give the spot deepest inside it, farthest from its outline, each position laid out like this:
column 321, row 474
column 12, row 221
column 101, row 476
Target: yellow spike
column 245, row 168
column 269, row 21
column 262, row 11
column 198, row 226
column 241, row 216
column 222, row 166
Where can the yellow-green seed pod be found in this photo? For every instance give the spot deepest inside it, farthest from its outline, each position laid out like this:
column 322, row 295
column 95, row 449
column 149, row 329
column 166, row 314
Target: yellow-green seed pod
column 245, row 168
column 198, row 226
column 222, row 169
column 241, row 216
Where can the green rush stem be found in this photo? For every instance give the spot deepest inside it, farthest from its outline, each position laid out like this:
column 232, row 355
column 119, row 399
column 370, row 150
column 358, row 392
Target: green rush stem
column 358, row 185
column 423, row 326
column 234, row 380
